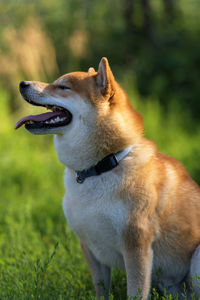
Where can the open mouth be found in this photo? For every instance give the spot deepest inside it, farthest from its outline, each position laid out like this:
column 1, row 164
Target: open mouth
column 58, row 117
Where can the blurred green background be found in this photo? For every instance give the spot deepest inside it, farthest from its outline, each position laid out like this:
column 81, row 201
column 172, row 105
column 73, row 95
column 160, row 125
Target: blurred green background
column 154, row 51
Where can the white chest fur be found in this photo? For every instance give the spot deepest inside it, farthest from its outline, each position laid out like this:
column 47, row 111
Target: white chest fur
column 97, row 215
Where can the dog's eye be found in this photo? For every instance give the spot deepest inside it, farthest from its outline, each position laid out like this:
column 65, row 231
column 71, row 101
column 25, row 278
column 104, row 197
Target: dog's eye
column 63, row 87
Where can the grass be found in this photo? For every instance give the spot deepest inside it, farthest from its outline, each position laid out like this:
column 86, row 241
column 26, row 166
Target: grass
column 40, row 257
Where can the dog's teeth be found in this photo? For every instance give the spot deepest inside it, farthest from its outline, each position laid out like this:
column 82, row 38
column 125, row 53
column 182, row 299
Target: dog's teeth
column 55, row 120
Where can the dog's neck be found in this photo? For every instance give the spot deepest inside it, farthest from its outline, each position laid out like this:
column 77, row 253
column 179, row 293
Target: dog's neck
column 106, row 164
column 85, row 155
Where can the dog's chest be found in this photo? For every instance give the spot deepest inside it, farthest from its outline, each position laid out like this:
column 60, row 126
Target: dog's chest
column 97, row 215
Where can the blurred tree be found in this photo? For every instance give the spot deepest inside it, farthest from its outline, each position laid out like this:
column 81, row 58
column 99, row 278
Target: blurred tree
column 146, row 8
column 169, row 8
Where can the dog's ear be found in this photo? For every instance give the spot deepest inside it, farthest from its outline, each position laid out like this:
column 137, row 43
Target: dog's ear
column 91, row 70
column 105, row 79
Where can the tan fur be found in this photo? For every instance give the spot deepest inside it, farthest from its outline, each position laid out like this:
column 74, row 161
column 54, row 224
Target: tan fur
column 164, row 200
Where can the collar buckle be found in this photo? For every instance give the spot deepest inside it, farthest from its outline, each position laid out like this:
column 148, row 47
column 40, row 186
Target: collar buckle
column 79, row 179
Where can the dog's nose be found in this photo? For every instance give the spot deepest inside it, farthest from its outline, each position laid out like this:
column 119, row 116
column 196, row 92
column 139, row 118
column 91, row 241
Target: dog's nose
column 24, row 84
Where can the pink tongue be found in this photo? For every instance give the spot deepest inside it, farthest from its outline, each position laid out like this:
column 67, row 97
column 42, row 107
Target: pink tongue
column 40, row 118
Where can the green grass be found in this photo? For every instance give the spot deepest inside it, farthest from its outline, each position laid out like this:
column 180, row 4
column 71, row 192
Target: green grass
column 40, row 257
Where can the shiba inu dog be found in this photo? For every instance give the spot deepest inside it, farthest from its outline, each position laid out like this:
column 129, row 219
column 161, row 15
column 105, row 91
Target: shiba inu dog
column 131, row 206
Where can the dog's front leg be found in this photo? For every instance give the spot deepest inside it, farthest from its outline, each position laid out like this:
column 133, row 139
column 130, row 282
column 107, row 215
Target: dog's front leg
column 138, row 264
column 101, row 274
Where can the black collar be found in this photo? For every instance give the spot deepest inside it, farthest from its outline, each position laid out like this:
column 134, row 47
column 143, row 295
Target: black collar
column 106, row 164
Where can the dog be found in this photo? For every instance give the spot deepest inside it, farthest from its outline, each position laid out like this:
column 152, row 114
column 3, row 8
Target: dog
column 131, row 206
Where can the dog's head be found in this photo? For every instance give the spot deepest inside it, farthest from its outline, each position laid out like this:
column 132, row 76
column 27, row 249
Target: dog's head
column 90, row 113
